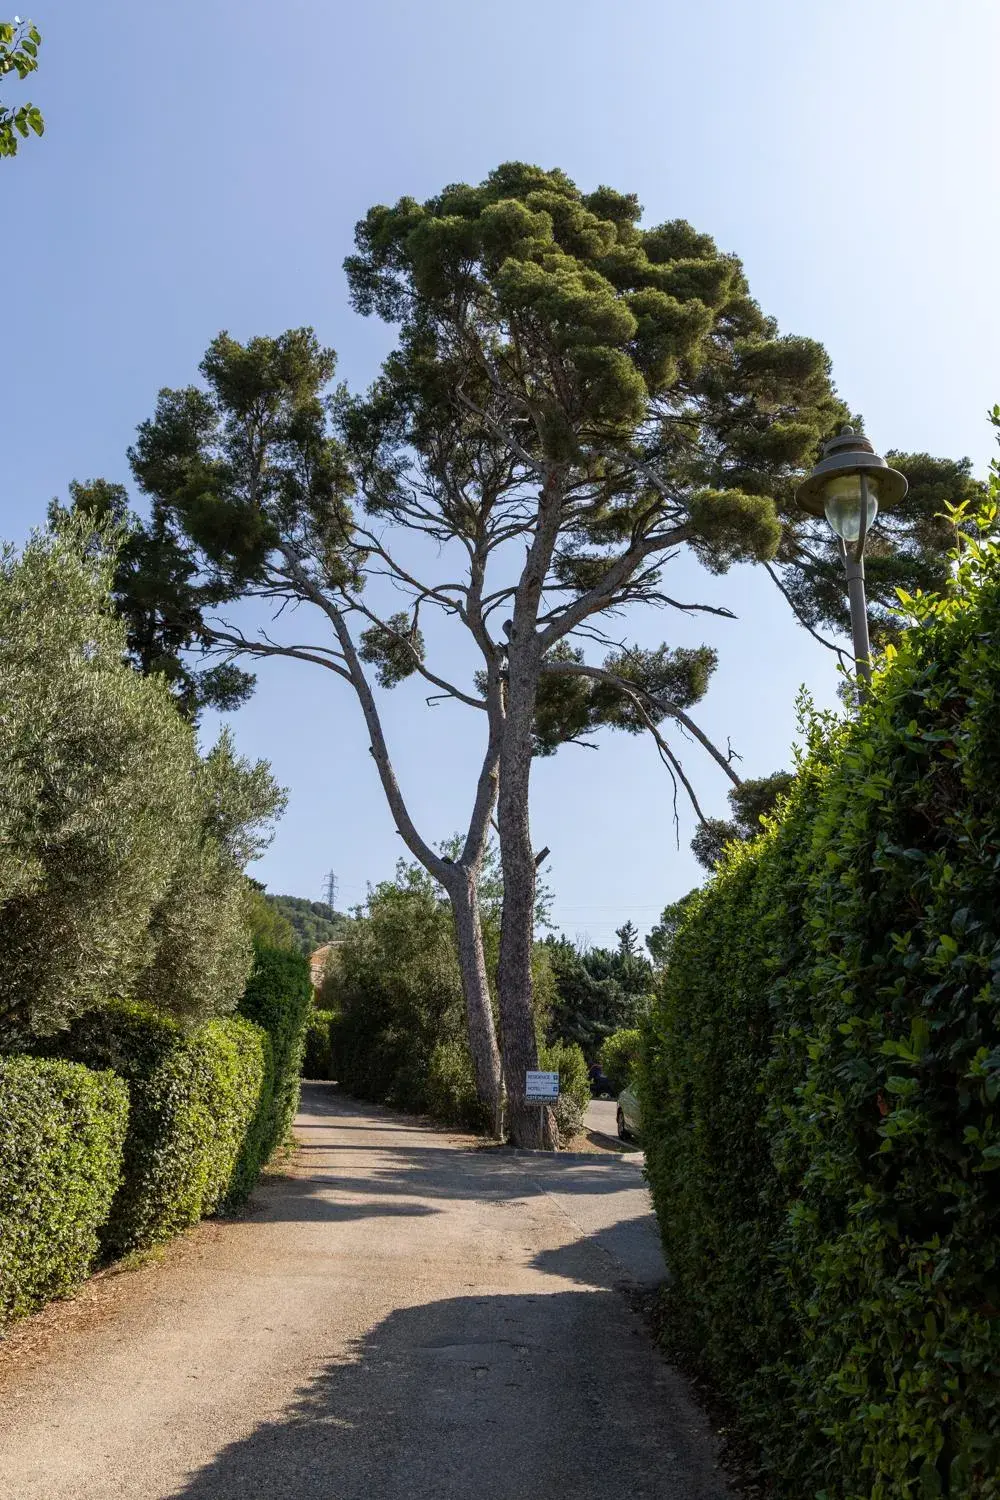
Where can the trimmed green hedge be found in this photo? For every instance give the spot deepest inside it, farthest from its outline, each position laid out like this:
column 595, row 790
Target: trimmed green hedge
column 200, row 1117
column 317, row 1053
column 62, row 1130
column 820, row 1090
column 279, row 999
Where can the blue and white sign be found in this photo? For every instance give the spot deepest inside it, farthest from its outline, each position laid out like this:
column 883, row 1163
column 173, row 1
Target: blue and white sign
column 541, row 1087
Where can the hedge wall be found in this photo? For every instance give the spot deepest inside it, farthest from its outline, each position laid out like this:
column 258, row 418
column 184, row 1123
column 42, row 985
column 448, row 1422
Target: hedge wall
column 820, row 1083
column 279, row 999
column 62, row 1130
column 201, row 1113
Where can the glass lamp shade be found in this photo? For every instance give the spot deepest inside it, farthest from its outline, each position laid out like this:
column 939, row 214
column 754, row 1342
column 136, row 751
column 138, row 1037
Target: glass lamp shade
column 842, row 504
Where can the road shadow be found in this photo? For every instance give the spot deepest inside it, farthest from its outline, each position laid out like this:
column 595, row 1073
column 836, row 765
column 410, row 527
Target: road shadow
column 492, row 1397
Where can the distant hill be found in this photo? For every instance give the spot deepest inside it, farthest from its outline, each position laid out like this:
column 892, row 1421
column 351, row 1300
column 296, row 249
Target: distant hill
column 312, row 921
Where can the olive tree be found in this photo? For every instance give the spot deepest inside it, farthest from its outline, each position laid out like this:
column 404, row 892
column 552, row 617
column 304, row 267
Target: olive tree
column 121, row 850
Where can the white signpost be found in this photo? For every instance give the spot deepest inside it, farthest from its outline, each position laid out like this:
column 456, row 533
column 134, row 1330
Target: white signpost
column 543, row 1087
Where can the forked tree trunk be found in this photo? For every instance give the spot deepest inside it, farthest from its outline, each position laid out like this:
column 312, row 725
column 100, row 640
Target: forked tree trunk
column 458, row 880
column 464, row 899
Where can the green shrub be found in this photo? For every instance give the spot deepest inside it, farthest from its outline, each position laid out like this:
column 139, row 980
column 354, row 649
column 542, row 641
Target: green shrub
column 121, row 849
column 400, row 1036
column 567, row 1059
column 317, row 1055
column 450, row 1093
column 279, row 998
column 62, row 1130
column 199, row 1119
column 619, row 1056
column 398, row 993
column 820, row 1083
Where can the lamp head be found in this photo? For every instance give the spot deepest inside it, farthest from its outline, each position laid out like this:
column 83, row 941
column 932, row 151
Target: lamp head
column 834, row 488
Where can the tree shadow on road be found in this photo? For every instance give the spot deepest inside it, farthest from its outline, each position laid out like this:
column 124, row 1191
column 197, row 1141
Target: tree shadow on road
column 492, row 1397
column 420, row 1171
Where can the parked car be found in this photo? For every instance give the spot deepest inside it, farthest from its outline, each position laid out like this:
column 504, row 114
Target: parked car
column 601, row 1086
column 629, row 1115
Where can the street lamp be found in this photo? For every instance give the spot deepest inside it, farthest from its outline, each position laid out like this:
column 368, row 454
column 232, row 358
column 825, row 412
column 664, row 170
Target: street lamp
column 849, row 485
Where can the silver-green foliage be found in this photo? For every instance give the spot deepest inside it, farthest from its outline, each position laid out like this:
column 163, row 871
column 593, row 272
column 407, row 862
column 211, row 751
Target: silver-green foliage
column 121, row 850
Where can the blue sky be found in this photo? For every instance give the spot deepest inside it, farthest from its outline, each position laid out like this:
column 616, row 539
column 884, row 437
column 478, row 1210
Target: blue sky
column 205, row 162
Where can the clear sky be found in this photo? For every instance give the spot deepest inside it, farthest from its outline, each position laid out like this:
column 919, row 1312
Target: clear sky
column 205, row 162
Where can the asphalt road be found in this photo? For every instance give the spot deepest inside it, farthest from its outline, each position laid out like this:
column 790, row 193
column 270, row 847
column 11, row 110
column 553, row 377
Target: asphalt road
column 602, row 1116
column 403, row 1316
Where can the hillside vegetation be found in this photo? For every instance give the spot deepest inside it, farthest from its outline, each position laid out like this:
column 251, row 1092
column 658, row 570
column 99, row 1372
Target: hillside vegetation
column 312, row 921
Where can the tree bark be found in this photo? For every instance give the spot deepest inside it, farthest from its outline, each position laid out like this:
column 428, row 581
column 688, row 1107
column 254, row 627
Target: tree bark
column 464, row 899
column 458, row 879
column 526, row 1124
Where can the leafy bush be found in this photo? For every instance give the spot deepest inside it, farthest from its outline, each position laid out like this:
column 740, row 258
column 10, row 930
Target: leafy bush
column 199, row 1117
column 400, row 1033
column 278, row 998
column 567, row 1059
column 317, row 1054
column 820, row 1087
column 619, row 1057
column 121, row 850
column 597, row 990
column 62, row 1130
column 451, row 1085
column 202, row 950
column 398, row 994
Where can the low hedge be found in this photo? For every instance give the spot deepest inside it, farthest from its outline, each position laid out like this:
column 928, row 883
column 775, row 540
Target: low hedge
column 317, row 1054
column 200, row 1118
column 62, row 1132
column 278, row 998
column 820, row 1086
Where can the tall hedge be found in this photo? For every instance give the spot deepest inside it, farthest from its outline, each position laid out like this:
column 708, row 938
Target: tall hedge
column 820, row 1089
column 278, row 998
column 201, row 1113
column 62, row 1130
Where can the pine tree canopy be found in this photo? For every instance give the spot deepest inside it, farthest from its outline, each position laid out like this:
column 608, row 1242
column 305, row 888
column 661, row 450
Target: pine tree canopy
column 567, row 387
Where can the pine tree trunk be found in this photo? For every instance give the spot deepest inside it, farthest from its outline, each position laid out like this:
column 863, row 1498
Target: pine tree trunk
column 478, row 1007
column 527, row 1125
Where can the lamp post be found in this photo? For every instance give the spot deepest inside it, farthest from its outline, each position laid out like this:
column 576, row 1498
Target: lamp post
column 849, row 486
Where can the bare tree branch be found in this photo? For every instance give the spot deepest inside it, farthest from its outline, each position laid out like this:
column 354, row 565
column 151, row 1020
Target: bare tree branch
column 630, row 690
column 602, row 595
column 448, row 689
column 845, row 660
column 235, row 644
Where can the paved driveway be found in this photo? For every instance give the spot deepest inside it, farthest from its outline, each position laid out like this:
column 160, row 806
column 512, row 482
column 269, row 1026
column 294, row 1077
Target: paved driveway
column 602, row 1116
column 404, row 1314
